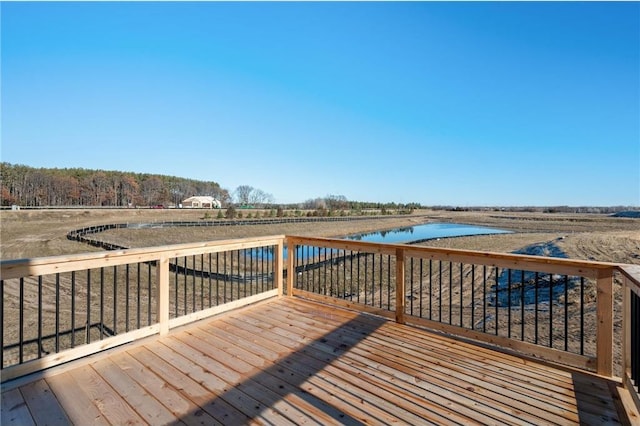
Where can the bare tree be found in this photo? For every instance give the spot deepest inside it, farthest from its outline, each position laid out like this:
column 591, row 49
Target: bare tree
column 243, row 194
column 259, row 198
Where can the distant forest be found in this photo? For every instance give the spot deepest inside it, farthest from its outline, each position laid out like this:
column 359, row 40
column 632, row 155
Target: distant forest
column 39, row 187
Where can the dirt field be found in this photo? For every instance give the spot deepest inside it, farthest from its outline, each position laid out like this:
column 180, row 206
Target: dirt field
column 26, row 234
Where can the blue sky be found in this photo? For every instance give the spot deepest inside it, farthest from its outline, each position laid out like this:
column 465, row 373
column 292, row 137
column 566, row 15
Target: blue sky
column 438, row 103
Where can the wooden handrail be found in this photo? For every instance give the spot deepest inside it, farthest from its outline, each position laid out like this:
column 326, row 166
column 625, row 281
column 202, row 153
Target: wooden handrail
column 631, row 288
column 57, row 264
column 553, row 265
column 160, row 256
column 601, row 272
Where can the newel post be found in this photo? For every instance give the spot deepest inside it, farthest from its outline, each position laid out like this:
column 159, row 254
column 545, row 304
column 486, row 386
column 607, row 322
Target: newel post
column 626, row 329
column 162, row 298
column 278, row 267
column 604, row 313
column 400, row 286
column 291, row 270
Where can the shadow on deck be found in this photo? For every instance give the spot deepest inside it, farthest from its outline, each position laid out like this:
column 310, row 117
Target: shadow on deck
column 290, row 361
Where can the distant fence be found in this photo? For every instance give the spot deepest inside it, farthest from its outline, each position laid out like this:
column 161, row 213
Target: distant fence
column 81, row 234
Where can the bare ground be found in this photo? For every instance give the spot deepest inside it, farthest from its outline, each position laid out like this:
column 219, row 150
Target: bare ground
column 27, row 234
column 37, row 233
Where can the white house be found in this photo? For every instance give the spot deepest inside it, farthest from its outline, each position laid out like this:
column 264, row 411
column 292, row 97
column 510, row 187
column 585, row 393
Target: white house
column 201, row 202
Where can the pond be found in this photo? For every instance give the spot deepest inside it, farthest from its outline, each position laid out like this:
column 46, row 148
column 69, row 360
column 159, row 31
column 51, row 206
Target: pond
column 410, row 234
column 419, row 233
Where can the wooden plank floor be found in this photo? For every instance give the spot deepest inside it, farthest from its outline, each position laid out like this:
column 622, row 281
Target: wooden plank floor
column 290, row 361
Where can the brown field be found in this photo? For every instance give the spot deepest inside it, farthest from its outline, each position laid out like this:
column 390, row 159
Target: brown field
column 38, row 233
column 28, row 234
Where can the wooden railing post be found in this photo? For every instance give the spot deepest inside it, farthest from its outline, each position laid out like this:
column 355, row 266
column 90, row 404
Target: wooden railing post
column 162, row 296
column 400, row 286
column 604, row 332
column 291, row 270
column 626, row 327
column 279, row 269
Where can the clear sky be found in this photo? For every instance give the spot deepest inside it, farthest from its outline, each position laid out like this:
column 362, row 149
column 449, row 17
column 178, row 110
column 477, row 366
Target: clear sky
column 432, row 102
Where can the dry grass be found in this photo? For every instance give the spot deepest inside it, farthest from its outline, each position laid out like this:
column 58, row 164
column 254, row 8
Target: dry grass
column 26, row 234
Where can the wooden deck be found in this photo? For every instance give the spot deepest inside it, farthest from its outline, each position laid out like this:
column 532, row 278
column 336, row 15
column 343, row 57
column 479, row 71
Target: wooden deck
column 289, row 361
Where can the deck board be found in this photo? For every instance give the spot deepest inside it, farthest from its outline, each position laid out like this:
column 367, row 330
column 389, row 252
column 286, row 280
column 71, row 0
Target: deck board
column 291, row 361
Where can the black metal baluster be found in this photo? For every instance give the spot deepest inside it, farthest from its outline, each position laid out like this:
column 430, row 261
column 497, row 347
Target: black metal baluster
column 509, row 303
column 101, row 327
column 430, row 288
column 73, row 309
column 380, row 268
column 149, row 291
column 238, row 275
column 209, row 271
column 440, row 290
column 261, row 254
column 126, row 300
column 411, row 286
column 344, row 276
column 521, row 305
column 334, row 283
column 139, row 307
column 21, row 323
column 366, row 276
column 226, row 275
column 358, row 257
column 350, row 274
column 421, row 285
column 535, row 320
column 566, row 312
column 193, row 283
column 313, row 271
column 302, row 279
column 450, row 292
column 484, row 298
column 184, row 295
column 272, row 272
column 201, row 281
column 461, row 292
column 217, row 279
column 371, row 272
column 176, row 285
column 306, row 261
column 473, row 297
column 551, row 310
column 57, row 345
column 581, row 315
column 88, row 337
column 497, row 299
column 389, row 282
column 115, row 300
column 247, row 274
column 40, row 316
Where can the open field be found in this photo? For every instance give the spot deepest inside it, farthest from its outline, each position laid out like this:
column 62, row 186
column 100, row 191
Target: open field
column 27, row 234
column 37, row 233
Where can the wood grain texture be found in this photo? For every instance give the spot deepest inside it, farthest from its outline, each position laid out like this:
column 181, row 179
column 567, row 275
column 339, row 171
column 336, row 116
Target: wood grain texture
column 292, row 361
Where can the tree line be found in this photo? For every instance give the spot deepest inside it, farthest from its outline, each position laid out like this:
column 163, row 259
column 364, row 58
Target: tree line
column 39, row 187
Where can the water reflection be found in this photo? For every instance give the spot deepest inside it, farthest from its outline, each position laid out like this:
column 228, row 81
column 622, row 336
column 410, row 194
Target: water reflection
column 403, row 235
column 426, row 232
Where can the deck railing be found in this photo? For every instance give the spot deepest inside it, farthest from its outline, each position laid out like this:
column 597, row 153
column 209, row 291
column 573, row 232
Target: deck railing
column 631, row 329
column 61, row 308
column 535, row 305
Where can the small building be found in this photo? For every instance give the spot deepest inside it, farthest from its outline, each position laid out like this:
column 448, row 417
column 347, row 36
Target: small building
column 201, row 202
